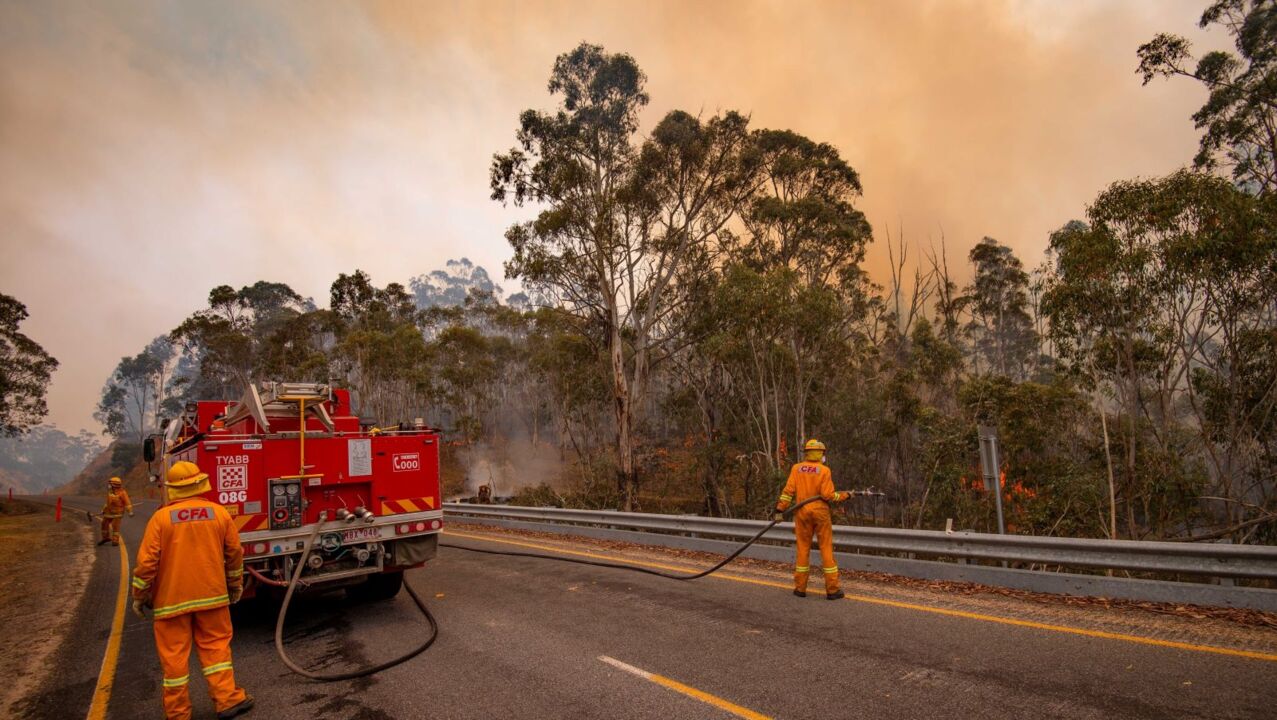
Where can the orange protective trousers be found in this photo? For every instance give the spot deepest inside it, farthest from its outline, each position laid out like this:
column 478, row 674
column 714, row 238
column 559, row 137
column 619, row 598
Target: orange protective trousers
column 111, row 529
column 211, row 632
column 809, row 520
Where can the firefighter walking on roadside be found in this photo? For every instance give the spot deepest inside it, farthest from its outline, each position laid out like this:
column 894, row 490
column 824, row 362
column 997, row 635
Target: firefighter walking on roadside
column 117, row 503
column 189, row 569
column 811, row 478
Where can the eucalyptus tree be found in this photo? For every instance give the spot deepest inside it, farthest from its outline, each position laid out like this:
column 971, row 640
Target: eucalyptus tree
column 227, row 340
column 137, row 391
column 1239, row 118
column 619, row 222
column 1166, row 293
column 802, row 230
column 379, row 350
column 1102, row 303
column 25, row 371
column 1001, row 328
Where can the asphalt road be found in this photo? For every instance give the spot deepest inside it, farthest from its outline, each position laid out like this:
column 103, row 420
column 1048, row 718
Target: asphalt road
column 532, row 638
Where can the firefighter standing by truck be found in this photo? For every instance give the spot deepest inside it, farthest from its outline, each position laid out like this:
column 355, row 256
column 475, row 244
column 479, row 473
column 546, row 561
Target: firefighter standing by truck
column 117, row 503
column 189, row 569
column 811, row 478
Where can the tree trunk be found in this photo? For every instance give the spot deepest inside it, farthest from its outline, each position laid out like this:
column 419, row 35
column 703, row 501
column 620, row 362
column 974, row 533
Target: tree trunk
column 1108, row 458
column 626, row 472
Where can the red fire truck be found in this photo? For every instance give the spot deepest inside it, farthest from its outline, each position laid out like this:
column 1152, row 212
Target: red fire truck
column 287, row 454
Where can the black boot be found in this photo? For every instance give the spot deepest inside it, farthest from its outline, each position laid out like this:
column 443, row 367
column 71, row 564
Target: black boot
column 800, row 593
column 103, row 542
column 835, row 595
column 236, row 710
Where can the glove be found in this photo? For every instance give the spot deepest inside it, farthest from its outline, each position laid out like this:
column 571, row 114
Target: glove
column 236, row 594
column 138, row 609
column 130, row 513
column 778, row 516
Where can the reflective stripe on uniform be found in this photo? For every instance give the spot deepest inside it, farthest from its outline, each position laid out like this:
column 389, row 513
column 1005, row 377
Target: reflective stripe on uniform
column 176, row 682
column 140, row 584
column 217, row 668
column 786, row 498
column 802, row 568
column 191, row 605
column 235, row 573
column 830, row 570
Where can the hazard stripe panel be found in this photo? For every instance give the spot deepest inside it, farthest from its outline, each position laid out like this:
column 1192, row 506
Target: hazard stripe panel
column 407, row 505
column 248, row 523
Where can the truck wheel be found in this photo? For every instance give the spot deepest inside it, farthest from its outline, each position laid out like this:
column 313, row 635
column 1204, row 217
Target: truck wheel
column 381, row 586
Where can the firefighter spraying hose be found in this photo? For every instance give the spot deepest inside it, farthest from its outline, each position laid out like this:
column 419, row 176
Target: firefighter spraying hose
column 620, row 566
column 809, row 478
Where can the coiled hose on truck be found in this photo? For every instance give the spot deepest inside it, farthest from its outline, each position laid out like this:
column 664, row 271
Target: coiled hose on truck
column 434, row 625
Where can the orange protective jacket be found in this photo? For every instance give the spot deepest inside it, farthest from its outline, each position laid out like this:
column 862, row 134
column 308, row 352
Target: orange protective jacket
column 117, row 503
column 190, row 558
column 809, row 479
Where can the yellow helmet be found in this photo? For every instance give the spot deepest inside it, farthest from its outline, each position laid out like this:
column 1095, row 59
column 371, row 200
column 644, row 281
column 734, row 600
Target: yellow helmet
column 184, row 474
column 814, row 445
column 116, row 482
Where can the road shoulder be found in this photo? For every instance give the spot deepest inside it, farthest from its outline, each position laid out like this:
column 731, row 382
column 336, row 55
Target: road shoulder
column 46, row 570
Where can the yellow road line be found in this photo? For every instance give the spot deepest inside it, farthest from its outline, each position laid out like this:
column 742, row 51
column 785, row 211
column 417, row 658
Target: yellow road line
column 106, row 677
column 687, row 690
column 1251, row 654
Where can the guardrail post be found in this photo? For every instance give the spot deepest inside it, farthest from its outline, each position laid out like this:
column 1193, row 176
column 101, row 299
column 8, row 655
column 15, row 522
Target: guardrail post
column 988, row 435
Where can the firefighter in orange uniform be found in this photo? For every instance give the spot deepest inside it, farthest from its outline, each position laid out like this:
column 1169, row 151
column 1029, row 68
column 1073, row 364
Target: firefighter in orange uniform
column 811, row 478
column 117, row 503
column 190, row 569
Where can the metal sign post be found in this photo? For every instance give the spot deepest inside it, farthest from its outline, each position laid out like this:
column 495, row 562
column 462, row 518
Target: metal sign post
column 989, row 464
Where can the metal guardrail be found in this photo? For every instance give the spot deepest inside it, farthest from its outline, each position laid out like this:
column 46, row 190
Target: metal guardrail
column 948, row 556
column 1204, row 560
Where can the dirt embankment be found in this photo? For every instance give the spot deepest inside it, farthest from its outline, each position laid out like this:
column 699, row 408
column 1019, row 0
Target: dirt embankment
column 46, row 566
column 119, row 460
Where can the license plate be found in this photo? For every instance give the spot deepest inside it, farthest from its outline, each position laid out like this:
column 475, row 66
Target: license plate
column 360, row 535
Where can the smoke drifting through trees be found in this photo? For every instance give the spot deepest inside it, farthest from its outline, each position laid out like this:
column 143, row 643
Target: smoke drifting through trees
column 702, row 310
column 44, row 458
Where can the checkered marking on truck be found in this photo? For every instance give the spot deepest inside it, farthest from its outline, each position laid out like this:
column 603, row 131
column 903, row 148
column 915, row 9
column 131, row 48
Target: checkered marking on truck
column 232, row 477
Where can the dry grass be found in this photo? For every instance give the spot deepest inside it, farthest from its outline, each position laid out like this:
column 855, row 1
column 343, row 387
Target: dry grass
column 46, row 566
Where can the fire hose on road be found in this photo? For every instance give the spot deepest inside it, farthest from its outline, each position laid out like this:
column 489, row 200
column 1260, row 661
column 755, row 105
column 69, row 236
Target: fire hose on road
column 672, row 576
column 434, row 625
column 363, row 672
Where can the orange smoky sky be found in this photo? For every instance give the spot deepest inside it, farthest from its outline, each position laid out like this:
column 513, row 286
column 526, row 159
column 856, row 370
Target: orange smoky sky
column 152, row 150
